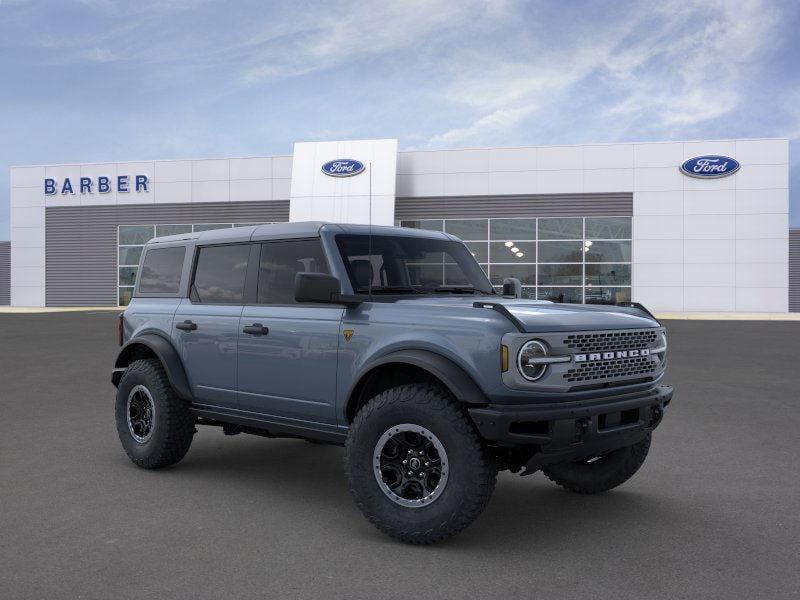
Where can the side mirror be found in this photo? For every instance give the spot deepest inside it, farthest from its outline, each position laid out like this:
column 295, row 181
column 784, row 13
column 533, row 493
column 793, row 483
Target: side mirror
column 321, row 288
column 512, row 287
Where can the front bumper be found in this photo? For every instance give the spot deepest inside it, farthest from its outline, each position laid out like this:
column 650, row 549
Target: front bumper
column 571, row 431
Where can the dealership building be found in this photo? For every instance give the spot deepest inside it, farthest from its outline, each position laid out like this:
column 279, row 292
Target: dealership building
column 678, row 226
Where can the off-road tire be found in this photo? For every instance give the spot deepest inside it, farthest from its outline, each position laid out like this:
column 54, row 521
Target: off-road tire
column 173, row 424
column 472, row 472
column 609, row 471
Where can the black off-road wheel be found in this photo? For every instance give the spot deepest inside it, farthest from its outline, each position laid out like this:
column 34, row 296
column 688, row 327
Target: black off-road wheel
column 600, row 473
column 153, row 424
column 416, row 466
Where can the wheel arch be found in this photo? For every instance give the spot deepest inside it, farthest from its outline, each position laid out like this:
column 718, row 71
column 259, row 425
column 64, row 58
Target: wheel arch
column 151, row 345
column 411, row 366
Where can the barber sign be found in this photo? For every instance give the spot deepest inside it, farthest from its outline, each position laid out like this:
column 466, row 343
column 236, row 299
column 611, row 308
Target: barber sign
column 710, row 166
column 342, row 167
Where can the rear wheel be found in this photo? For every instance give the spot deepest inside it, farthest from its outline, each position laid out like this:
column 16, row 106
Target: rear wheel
column 600, row 473
column 415, row 465
column 153, row 424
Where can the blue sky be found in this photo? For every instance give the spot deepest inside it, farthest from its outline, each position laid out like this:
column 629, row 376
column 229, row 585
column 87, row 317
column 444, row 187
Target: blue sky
column 98, row 80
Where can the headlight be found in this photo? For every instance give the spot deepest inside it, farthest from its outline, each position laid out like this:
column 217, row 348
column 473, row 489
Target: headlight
column 528, row 357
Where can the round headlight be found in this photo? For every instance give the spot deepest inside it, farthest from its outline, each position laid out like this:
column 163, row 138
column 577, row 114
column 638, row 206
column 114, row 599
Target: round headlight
column 532, row 350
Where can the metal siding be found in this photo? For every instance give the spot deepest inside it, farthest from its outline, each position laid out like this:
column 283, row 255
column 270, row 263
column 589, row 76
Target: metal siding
column 81, row 250
column 5, row 273
column 794, row 270
column 545, row 205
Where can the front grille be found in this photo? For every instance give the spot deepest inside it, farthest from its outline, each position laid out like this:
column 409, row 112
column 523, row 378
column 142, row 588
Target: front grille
column 616, row 368
column 612, row 340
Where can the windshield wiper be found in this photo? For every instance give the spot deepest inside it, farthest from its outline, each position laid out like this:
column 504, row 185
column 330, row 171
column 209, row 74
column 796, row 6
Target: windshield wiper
column 456, row 289
column 389, row 289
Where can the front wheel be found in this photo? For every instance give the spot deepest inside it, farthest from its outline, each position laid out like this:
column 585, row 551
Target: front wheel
column 600, row 473
column 415, row 465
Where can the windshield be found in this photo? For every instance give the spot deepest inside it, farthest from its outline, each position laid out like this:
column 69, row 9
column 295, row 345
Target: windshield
column 410, row 265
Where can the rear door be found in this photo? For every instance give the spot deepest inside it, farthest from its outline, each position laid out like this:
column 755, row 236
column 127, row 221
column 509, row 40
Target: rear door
column 288, row 351
column 206, row 325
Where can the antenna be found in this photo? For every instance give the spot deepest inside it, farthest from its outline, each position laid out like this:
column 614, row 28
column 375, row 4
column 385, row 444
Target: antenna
column 369, row 243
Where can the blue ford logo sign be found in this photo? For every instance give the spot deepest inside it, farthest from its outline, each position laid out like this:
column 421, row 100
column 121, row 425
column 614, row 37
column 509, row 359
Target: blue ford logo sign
column 710, row 166
column 343, row 167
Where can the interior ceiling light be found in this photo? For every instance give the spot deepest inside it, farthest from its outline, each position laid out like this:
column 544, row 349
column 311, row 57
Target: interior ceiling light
column 520, row 255
column 515, row 249
column 509, row 244
column 587, row 243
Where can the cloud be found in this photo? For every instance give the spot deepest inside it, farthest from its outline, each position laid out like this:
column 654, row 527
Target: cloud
column 670, row 65
column 502, row 119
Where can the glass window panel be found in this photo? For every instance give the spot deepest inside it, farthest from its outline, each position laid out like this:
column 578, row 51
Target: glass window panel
column 608, row 228
column 528, row 293
column 512, row 230
column 467, row 229
column 453, row 275
column 479, row 250
column 219, row 276
column 560, row 275
column 561, row 229
column 525, row 273
column 607, row 295
column 608, row 274
column 210, row 226
column 550, row 252
column 125, row 295
column 172, row 229
column 130, row 255
column 247, row 224
column 161, row 270
column 280, row 262
column 429, row 224
column 425, row 275
column 485, row 269
column 127, row 275
column 608, row 251
column 500, row 253
column 561, row 294
column 135, row 234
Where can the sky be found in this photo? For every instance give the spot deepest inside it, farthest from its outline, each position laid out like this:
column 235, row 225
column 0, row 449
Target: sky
column 98, row 80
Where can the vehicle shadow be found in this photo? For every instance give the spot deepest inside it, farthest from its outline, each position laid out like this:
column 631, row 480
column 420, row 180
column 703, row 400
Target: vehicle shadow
column 524, row 511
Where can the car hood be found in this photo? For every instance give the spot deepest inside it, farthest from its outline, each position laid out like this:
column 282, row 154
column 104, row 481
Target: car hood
column 540, row 316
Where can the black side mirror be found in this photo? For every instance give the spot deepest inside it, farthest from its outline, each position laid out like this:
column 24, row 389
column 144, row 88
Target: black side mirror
column 512, row 287
column 321, row 288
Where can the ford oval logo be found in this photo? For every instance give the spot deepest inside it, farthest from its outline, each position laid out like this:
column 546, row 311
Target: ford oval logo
column 343, row 167
column 710, row 166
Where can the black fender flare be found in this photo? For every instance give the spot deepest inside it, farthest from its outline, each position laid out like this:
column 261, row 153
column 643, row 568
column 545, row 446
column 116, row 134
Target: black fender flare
column 458, row 381
column 165, row 352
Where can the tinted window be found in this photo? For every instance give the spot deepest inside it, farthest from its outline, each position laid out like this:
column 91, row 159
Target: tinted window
column 161, row 271
column 219, row 276
column 410, row 265
column 280, row 262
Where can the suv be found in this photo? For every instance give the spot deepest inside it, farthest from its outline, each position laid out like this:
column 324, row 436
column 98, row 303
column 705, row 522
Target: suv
column 393, row 343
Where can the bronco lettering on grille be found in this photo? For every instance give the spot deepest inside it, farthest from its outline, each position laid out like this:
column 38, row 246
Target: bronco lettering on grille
column 611, row 355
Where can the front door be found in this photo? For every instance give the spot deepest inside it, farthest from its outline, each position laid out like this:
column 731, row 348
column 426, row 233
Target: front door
column 288, row 351
column 206, row 325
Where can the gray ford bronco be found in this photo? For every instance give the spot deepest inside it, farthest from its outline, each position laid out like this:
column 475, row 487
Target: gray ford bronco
column 393, row 343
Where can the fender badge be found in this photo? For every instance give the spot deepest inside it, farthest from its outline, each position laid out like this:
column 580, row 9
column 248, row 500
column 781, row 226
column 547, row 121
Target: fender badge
column 348, row 333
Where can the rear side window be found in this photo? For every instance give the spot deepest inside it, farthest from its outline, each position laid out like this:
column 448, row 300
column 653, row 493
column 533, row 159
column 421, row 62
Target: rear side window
column 161, row 270
column 220, row 274
column 280, row 262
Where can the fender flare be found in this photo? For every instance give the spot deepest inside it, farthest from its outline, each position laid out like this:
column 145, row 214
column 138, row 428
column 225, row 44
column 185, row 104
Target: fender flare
column 458, row 381
column 165, row 352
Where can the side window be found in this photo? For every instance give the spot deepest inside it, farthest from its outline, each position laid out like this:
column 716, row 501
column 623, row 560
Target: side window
column 280, row 262
column 161, row 270
column 220, row 273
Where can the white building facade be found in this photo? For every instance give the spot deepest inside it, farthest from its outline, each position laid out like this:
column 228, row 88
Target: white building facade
column 590, row 223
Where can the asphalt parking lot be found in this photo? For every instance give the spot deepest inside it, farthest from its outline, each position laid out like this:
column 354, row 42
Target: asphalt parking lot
column 714, row 513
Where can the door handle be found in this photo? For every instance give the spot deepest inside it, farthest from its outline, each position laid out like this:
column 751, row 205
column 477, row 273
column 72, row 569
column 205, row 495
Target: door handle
column 255, row 329
column 186, row 326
